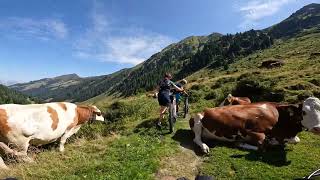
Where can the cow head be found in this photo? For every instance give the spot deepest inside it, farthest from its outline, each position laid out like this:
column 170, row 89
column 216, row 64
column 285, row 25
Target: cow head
column 89, row 113
column 97, row 113
column 311, row 114
column 290, row 117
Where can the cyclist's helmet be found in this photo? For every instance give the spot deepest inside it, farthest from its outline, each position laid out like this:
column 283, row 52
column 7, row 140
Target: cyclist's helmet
column 184, row 81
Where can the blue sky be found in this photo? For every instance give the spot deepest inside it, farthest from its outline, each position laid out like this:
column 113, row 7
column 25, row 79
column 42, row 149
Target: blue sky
column 47, row 38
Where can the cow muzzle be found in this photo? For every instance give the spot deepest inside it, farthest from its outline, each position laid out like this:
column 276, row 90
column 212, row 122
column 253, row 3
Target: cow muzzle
column 99, row 118
column 315, row 130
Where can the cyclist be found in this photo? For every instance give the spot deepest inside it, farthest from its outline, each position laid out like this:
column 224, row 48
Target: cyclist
column 164, row 87
column 180, row 84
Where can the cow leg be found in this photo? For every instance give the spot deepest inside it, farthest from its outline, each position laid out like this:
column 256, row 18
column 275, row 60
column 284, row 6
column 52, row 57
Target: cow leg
column 197, row 129
column 66, row 135
column 3, row 165
column 293, row 140
column 20, row 154
column 255, row 138
column 8, row 150
column 247, row 146
column 24, row 145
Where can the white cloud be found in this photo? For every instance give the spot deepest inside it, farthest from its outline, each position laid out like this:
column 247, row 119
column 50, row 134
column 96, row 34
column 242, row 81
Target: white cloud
column 106, row 42
column 39, row 28
column 255, row 10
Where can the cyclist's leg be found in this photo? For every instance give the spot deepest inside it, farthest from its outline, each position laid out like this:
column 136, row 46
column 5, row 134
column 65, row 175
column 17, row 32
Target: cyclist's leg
column 178, row 97
column 162, row 111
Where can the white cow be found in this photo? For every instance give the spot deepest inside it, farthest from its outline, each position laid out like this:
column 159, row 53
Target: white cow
column 39, row 124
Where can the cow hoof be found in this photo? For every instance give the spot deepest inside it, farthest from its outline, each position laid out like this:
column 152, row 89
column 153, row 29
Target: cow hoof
column 61, row 149
column 205, row 149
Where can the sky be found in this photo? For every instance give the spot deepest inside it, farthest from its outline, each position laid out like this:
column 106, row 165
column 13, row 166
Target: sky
column 48, row 38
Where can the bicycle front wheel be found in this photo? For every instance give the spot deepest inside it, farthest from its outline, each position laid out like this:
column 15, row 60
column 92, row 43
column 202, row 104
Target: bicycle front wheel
column 186, row 107
column 171, row 118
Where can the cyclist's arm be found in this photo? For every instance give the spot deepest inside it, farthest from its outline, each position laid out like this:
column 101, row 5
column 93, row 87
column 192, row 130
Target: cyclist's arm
column 176, row 87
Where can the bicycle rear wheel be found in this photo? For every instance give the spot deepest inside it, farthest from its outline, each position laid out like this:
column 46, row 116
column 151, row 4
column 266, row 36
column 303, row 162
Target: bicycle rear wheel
column 186, row 107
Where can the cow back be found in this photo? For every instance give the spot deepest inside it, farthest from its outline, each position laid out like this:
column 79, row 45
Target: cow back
column 257, row 117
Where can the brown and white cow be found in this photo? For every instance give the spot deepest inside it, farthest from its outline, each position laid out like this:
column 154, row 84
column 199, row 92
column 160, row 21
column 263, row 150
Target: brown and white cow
column 232, row 100
column 39, row 124
column 253, row 123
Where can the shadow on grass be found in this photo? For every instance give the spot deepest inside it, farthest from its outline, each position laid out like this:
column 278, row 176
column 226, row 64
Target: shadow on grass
column 275, row 156
column 148, row 127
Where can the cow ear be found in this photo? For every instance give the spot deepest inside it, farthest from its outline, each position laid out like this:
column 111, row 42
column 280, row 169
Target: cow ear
column 229, row 98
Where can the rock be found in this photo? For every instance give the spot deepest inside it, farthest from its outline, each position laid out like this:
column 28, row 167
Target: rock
column 272, row 63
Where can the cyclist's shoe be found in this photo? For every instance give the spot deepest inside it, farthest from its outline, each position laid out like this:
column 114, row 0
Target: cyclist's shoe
column 158, row 125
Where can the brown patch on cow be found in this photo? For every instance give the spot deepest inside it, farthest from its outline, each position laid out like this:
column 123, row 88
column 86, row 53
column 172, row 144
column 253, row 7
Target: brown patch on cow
column 84, row 113
column 229, row 120
column 54, row 117
column 4, row 128
column 63, row 106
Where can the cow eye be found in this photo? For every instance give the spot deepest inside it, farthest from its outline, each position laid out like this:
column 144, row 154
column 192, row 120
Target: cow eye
column 304, row 113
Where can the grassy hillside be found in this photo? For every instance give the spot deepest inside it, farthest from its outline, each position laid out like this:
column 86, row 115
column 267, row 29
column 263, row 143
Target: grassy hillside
column 129, row 147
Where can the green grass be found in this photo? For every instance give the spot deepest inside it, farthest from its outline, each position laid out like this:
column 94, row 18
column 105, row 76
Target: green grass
column 296, row 161
column 140, row 151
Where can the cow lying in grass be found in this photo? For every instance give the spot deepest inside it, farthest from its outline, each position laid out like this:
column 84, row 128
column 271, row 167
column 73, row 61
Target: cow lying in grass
column 39, row 124
column 256, row 123
column 232, row 100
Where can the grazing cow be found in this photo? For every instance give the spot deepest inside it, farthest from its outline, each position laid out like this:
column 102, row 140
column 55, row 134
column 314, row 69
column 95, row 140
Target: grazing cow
column 39, row 124
column 235, row 100
column 254, row 123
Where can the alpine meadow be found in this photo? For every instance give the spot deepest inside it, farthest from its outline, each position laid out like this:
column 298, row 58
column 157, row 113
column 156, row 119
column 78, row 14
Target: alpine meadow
column 279, row 64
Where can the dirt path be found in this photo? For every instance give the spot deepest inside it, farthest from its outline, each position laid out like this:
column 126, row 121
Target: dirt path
column 182, row 164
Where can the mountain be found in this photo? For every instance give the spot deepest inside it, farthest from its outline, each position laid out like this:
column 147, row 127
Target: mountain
column 7, row 83
column 213, row 52
column 80, row 89
column 307, row 17
column 48, row 88
column 9, row 96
